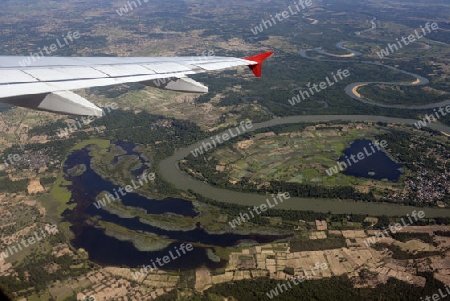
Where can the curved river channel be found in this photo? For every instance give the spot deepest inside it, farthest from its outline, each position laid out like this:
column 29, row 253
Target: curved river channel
column 168, row 168
column 352, row 89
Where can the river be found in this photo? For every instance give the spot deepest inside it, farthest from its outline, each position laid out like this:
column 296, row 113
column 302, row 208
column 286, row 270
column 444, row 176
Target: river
column 168, row 168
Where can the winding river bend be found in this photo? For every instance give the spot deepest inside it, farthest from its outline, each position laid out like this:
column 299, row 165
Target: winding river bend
column 352, row 89
column 168, row 168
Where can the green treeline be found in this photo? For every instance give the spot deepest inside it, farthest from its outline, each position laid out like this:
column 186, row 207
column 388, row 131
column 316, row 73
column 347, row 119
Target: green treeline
column 142, row 128
column 334, row 288
column 399, row 145
column 400, row 254
column 400, row 94
column 7, row 185
column 330, row 243
column 407, row 236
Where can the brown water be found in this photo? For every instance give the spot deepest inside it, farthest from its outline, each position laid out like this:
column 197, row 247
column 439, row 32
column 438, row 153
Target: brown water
column 169, row 170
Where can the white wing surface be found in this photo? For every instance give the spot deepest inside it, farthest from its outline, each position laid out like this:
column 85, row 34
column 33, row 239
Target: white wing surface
column 45, row 83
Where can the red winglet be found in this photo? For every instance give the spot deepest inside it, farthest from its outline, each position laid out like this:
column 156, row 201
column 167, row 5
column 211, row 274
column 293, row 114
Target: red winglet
column 259, row 58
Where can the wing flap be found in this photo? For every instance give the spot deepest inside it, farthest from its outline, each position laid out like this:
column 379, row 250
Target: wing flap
column 184, row 84
column 63, row 102
column 69, row 103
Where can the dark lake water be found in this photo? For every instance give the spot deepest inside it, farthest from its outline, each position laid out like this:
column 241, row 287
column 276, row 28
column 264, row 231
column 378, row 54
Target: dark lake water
column 111, row 251
column 375, row 165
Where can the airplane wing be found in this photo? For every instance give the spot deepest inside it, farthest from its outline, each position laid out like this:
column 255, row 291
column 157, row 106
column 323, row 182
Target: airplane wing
column 45, row 83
